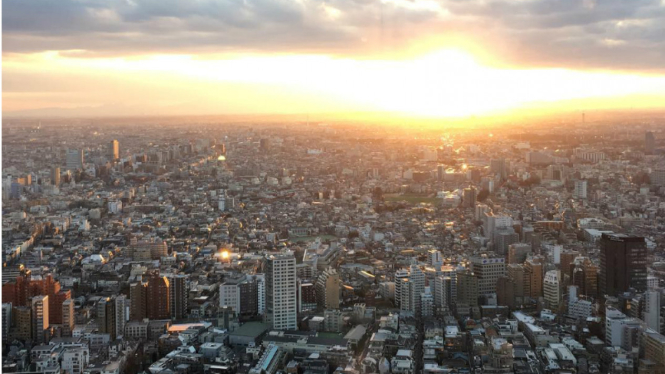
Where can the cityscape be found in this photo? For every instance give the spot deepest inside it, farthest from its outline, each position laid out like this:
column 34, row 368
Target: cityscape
column 212, row 247
column 333, row 187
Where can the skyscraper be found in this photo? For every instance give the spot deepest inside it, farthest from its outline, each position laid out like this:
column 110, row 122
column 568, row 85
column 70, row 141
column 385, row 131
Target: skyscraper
column 467, row 288
column 623, row 264
column 649, row 143
column 327, row 289
column 114, row 150
column 280, row 286
column 75, row 159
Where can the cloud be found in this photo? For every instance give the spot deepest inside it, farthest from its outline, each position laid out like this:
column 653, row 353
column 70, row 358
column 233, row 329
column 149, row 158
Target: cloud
column 608, row 34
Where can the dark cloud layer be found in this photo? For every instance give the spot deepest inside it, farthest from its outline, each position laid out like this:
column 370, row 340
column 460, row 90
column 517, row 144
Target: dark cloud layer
column 599, row 34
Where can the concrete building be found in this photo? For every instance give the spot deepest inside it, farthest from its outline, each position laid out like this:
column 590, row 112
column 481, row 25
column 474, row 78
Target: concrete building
column 280, row 285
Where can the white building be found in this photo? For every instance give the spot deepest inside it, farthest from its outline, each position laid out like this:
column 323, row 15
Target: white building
column 552, row 289
column 577, row 308
column 580, row 189
column 75, row 159
column 280, row 286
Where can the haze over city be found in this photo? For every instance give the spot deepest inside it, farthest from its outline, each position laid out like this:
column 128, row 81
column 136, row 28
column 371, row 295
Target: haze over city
column 419, row 58
column 333, row 187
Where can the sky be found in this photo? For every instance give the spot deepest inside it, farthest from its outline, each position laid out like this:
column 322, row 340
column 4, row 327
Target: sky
column 427, row 58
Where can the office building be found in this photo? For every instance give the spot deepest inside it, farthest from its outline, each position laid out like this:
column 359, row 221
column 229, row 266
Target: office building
column 467, row 288
column 327, row 289
column 280, row 286
column 518, row 252
column 503, row 238
column 580, row 191
column 623, row 265
column 469, row 197
column 75, row 159
column 499, row 167
column 585, row 276
column 55, row 176
column 434, row 258
column 488, row 270
column 114, row 150
column 651, row 314
column 442, row 293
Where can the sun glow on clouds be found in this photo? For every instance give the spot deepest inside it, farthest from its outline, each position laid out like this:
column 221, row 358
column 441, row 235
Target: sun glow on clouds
column 446, row 83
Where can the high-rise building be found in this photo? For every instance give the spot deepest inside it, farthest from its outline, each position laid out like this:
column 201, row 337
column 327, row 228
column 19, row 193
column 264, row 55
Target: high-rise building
column 505, row 292
column 499, row 167
column 67, row 317
column 138, row 297
column 416, row 287
column 534, row 271
column 401, row 277
column 467, row 288
column 55, row 176
column 442, row 292
column 23, row 322
column 280, row 286
column 178, row 296
column 40, row 321
column 114, row 150
column 248, row 294
column 6, row 320
column 55, row 305
column 488, row 270
column 652, row 309
column 469, row 196
column 106, row 317
column 518, row 252
column 566, row 261
column 260, row 280
column 434, row 258
column 649, row 143
column 75, row 159
column 306, row 296
column 157, row 304
column 327, row 289
column 580, row 191
column 623, row 264
column 503, row 238
column 585, row 276
column 552, row 289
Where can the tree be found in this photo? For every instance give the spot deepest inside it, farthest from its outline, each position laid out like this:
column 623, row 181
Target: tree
column 482, row 195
